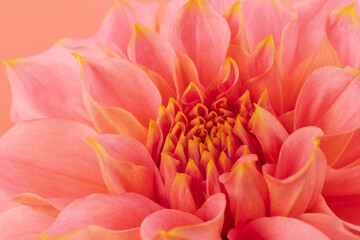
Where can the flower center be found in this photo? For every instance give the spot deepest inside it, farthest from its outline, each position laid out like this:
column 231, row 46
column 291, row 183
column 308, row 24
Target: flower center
column 201, row 142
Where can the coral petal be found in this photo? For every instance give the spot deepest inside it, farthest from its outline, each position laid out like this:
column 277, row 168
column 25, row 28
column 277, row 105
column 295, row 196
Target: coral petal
column 247, row 191
column 269, row 132
column 203, row 35
column 299, row 175
column 103, row 210
column 343, row 30
column 31, row 150
column 115, row 82
column 327, row 92
column 277, row 228
column 263, row 18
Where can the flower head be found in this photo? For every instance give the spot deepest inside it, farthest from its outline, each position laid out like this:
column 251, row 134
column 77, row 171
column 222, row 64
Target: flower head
column 190, row 120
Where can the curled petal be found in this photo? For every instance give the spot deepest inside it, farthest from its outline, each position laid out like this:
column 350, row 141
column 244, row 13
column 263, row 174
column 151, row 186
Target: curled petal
column 31, row 150
column 277, row 228
column 299, row 175
column 122, row 160
column 173, row 224
column 103, row 210
column 117, row 28
column 149, row 49
column 130, row 87
column 269, row 131
column 327, row 92
column 263, row 18
column 203, row 35
column 343, row 30
column 114, row 120
column 247, row 191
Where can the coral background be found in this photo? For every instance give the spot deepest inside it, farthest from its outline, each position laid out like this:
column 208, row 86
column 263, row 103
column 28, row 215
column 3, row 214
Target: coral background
column 31, row 27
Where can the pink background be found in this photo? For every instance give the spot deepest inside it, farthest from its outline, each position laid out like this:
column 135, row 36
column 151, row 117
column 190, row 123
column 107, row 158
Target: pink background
column 29, row 27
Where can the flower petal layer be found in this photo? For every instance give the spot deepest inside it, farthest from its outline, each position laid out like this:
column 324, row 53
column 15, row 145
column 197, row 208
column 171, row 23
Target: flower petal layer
column 263, row 18
column 23, row 223
column 50, row 158
column 343, row 30
column 329, row 225
column 277, row 228
column 46, row 85
column 299, row 175
column 247, row 191
column 117, row 28
column 115, row 82
column 122, row 160
column 203, row 35
column 269, row 132
column 114, row 212
column 328, row 92
column 174, row 224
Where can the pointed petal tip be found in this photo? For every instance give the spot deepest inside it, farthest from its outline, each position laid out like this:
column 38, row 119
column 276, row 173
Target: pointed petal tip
column 12, row 62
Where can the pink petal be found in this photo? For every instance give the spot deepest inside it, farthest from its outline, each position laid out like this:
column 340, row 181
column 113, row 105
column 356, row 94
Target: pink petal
column 329, row 225
column 203, row 35
column 114, row 212
column 277, row 228
column 247, row 191
column 149, row 49
column 341, row 149
column 328, row 92
column 47, row 85
column 117, row 28
column 267, row 72
column 115, row 82
column 299, row 174
column 343, row 30
column 303, row 35
column 326, row 55
column 50, row 158
column 237, row 26
column 287, row 120
column 269, row 132
column 114, row 120
column 345, row 207
column 122, row 160
column 263, row 18
column 23, row 223
column 175, row 224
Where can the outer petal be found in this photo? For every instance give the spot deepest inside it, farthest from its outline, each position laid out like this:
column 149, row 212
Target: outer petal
column 122, row 160
column 117, row 28
column 203, row 35
column 173, row 224
column 277, row 228
column 328, row 92
column 299, row 175
column 149, row 49
column 303, row 35
column 114, row 212
column 23, row 223
column 115, row 82
column 263, row 18
column 47, row 85
column 114, row 120
column 50, row 158
column 342, row 193
column 343, row 30
column 329, row 225
column 269, row 132
column 325, row 56
column 247, row 191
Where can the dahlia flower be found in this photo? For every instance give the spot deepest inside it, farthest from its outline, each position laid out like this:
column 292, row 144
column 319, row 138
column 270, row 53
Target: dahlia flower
column 191, row 120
